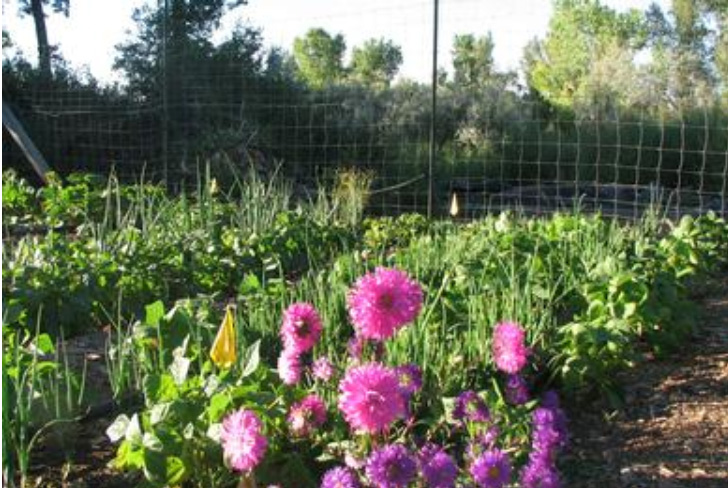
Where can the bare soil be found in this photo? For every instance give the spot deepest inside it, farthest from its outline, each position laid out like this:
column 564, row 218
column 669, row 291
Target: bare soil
column 673, row 430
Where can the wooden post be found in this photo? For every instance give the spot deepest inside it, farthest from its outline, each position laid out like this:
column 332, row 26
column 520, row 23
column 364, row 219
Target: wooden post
column 16, row 130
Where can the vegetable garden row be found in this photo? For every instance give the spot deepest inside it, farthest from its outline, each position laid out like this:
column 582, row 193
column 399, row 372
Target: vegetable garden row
column 258, row 340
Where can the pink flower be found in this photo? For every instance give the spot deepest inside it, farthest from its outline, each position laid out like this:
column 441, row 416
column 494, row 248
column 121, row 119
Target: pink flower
column 371, row 398
column 242, row 441
column 323, row 369
column 289, row 367
column 307, row 415
column 301, row 328
column 355, row 347
column 383, row 302
column 509, row 349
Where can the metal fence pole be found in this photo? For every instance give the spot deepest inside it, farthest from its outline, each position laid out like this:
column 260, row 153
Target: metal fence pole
column 433, row 116
column 165, row 100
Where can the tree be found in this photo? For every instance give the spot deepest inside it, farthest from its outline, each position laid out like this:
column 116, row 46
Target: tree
column 172, row 64
column 319, row 57
column 376, row 62
column 473, row 59
column 688, row 47
column 580, row 32
column 169, row 40
column 35, row 8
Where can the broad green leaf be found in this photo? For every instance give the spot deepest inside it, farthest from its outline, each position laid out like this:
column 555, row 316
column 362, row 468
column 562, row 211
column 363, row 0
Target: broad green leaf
column 218, row 405
column 211, row 384
column 253, row 359
column 133, row 432
column 630, row 308
column 176, row 470
column 118, row 427
column 179, row 369
column 159, row 388
column 159, row 412
column 152, row 442
column 153, row 313
column 214, row 431
column 44, row 344
column 189, row 431
column 129, row 457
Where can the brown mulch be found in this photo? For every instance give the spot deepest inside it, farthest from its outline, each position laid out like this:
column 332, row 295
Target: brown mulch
column 90, row 450
column 673, row 430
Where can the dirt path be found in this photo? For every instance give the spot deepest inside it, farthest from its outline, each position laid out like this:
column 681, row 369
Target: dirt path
column 673, row 431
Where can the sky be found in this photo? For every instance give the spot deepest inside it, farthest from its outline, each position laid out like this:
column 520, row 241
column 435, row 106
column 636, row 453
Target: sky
column 87, row 38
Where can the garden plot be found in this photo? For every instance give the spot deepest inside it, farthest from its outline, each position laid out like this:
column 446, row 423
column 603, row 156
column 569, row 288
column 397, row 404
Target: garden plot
column 307, row 346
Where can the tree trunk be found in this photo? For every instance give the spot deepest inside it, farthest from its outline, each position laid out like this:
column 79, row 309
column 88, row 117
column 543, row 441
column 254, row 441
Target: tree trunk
column 44, row 49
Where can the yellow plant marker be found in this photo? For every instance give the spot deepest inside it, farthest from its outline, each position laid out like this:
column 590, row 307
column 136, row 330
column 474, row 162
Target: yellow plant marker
column 224, row 352
column 454, row 207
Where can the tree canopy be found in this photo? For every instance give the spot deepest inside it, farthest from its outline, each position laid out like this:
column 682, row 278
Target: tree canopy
column 376, row 62
column 320, row 57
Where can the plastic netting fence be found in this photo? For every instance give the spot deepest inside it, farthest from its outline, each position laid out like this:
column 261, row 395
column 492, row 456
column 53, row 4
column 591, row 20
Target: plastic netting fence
column 491, row 143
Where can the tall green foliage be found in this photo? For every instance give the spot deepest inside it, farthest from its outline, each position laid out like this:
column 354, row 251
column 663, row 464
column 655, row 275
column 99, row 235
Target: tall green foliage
column 580, row 33
column 473, row 59
column 319, row 57
column 376, row 62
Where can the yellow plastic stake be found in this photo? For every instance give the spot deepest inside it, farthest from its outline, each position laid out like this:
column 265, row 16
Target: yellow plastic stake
column 224, row 352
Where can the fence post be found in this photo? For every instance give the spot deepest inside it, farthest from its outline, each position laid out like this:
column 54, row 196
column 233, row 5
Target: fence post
column 433, row 116
column 165, row 100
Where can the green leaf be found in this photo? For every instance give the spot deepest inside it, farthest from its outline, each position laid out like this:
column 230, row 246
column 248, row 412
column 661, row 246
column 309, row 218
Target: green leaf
column 155, row 466
column 211, row 384
column 133, row 432
column 176, row 470
column 214, row 431
column 152, row 442
column 117, row 429
column 159, row 412
column 160, row 466
column 153, row 313
column 159, row 388
column 630, row 308
column 179, row 369
column 250, row 285
column 218, row 405
column 189, row 432
column 44, row 344
column 129, row 457
column 253, row 359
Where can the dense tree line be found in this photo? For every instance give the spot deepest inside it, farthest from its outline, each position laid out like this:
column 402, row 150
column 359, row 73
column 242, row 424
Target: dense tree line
column 616, row 89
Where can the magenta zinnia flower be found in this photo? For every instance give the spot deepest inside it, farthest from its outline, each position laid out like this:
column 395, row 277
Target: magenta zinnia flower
column 339, row 477
column 492, row 469
column 289, row 367
column 509, row 349
column 301, row 327
column 383, row 302
column 371, row 398
column 391, row 467
column 323, row 369
column 307, row 415
column 242, row 441
column 355, row 347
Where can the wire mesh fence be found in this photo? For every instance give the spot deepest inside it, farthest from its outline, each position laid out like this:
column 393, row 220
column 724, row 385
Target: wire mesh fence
column 200, row 90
